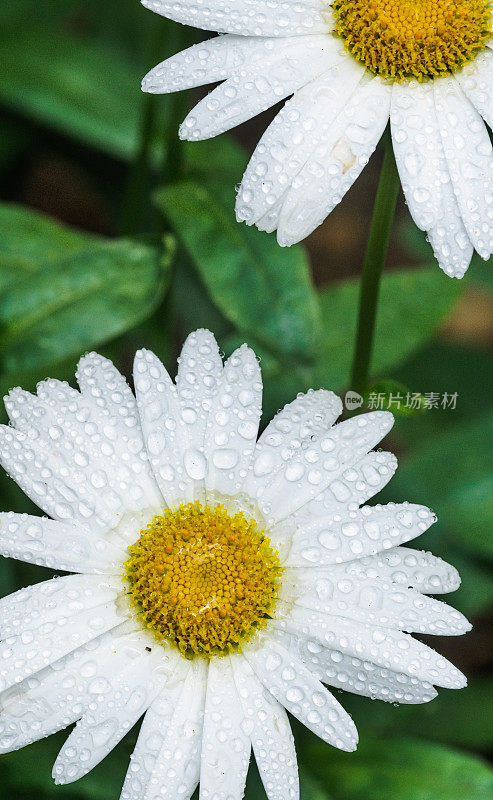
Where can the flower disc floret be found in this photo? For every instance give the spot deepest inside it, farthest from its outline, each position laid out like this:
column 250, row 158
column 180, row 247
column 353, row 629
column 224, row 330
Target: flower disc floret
column 423, row 39
column 203, row 578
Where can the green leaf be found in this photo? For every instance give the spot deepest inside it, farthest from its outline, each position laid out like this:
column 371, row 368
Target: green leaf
column 412, row 305
column 75, row 291
column 453, row 718
column 447, row 367
column 453, row 473
column 391, row 395
column 400, row 769
column 14, row 140
column 76, row 86
column 29, row 770
column 310, row 787
column 265, row 292
column 29, row 240
column 475, row 594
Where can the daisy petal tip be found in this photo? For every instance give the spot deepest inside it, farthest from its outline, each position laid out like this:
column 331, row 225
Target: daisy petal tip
column 248, row 360
column 243, row 216
column 187, row 134
column 350, row 744
column 284, row 240
column 381, row 419
column 455, row 579
column 460, row 681
column 59, row 778
column 141, row 356
column 425, row 516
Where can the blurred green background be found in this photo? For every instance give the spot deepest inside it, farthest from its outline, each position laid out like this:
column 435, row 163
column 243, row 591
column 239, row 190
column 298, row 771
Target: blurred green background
column 113, row 235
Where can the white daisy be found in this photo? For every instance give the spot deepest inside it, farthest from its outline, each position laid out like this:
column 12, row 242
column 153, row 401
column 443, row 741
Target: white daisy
column 350, row 65
column 221, row 580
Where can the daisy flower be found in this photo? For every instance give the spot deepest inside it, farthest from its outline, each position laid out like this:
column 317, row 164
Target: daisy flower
column 220, row 580
column 350, row 65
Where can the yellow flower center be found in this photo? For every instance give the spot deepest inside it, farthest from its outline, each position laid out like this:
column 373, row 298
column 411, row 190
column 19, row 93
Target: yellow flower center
column 202, row 578
column 413, row 38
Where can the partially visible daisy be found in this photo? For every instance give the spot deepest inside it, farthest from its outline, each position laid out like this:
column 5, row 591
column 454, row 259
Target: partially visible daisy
column 350, row 65
column 221, row 580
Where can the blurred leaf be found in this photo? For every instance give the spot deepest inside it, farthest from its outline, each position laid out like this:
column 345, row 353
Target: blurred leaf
column 87, row 291
column 29, row 770
column 400, row 769
column 481, row 272
column 394, row 398
column 412, row 305
column 220, row 168
column 13, row 141
column 475, row 593
column 447, row 367
column 193, row 305
column 71, row 84
column 454, row 718
column 453, row 473
column 310, row 787
column 264, row 291
column 29, row 240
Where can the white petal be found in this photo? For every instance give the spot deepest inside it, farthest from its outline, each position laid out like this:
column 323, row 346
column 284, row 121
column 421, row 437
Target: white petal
column 53, row 599
column 386, row 648
column 176, row 769
column 355, row 486
column 270, row 733
column 58, row 545
column 152, row 735
column 310, row 471
column 59, row 694
column 163, row 427
column 67, row 456
column 425, row 176
column 207, row 62
column 39, row 646
column 107, row 389
column 291, row 138
column 86, row 446
column 254, row 17
column 289, row 64
column 375, row 601
column 302, row 694
column 54, row 697
column 200, row 369
column 357, row 675
column 469, row 155
column 103, row 726
column 270, row 220
column 310, row 414
column 335, row 164
column 233, row 423
column 52, row 482
column 225, row 745
column 476, row 80
column 405, row 567
column 367, row 531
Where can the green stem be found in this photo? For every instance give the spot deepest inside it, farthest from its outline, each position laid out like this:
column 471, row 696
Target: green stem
column 376, row 251
column 178, row 107
column 134, row 205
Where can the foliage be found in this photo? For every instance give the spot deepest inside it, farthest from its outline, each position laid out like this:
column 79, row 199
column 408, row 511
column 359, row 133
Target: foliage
column 69, row 75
